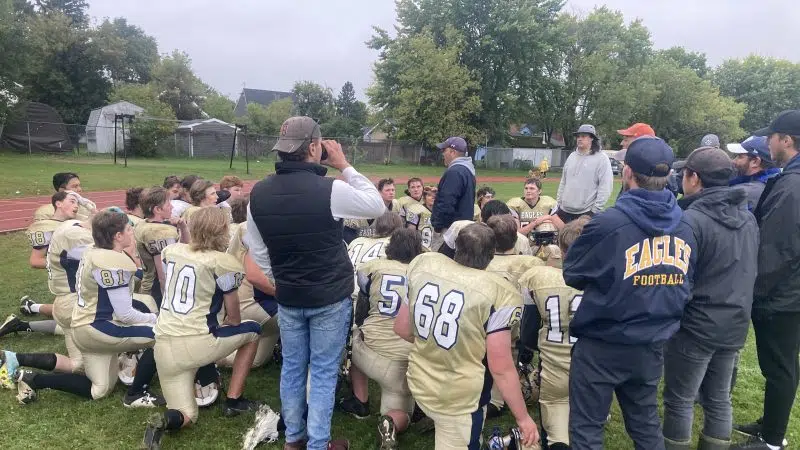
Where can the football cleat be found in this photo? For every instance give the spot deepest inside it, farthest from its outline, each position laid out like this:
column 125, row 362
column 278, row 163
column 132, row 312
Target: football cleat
column 206, row 395
column 127, row 367
column 386, row 433
column 25, row 391
column 265, row 428
column 8, row 367
column 754, row 429
column 354, row 407
column 241, row 406
column 13, row 325
column 25, row 304
column 156, row 426
column 145, row 399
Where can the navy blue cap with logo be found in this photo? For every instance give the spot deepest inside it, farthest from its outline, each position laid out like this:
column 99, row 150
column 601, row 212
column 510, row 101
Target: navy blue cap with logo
column 752, row 146
column 456, row 143
column 787, row 122
column 650, row 156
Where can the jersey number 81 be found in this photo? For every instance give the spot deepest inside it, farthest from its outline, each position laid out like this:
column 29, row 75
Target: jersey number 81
column 445, row 324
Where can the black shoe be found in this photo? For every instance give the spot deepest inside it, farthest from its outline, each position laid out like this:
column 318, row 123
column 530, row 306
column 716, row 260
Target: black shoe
column 241, row 405
column 156, row 426
column 354, row 407
column 751, row 429
column 493, row 411
column 13, row 325
column 754, row 443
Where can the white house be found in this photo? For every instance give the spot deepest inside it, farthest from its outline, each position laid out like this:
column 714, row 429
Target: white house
column 100, row 127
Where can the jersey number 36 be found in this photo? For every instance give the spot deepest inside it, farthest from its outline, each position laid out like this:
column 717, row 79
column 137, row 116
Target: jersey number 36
column 445, row 324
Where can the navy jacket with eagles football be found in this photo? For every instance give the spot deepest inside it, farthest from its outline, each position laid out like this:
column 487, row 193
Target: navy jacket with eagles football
column 634, row 263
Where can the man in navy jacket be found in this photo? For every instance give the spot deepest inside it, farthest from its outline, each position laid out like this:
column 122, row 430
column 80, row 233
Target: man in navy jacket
column 634, row 264
column 456, row 197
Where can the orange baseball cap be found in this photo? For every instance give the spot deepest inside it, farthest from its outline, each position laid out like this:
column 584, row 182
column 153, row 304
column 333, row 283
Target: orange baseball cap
column 637, row 130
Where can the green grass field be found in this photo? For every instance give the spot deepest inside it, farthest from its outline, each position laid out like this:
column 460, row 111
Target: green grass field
column 61, row 421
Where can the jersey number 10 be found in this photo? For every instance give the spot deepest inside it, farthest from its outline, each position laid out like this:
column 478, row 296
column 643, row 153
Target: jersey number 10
column 182, row 298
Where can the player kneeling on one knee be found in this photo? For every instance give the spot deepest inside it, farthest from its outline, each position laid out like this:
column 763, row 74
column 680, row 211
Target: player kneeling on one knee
column 104, row 322
column 200, row 322
column 459, row 319
column 378, row 353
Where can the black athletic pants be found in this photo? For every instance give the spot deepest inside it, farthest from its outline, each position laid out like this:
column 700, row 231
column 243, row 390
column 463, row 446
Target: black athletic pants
column 778, row 344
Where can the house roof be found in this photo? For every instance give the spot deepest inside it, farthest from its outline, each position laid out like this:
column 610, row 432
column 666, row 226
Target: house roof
column 259, row 96
column 189, row 124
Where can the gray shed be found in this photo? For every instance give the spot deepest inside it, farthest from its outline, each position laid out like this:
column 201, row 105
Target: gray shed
column 209, row 137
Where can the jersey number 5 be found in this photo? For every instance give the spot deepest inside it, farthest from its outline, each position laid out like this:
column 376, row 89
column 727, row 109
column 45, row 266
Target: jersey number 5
column 445, row 324
column 391, row 299
column 555, row 330
column 182, row 289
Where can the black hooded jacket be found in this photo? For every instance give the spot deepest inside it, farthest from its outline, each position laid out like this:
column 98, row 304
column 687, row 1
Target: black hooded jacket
column 718, row 313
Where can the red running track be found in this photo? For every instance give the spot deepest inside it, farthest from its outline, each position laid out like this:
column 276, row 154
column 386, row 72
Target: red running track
column 17, row 213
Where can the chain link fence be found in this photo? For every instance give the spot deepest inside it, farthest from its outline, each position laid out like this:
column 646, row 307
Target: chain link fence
column 142, row 137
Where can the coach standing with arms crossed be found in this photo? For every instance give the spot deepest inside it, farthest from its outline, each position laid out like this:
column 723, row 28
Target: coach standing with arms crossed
column 294, row 227
column 455, row 199
column 776, row 297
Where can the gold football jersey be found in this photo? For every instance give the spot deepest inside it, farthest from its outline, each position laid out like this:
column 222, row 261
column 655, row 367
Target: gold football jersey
column 67, row 246
column 151, row 239
column 528, row 213
column 453, row 309
column 523, row 245
column 134, row 219
column 404, row 203
column 384, row 281
column 512, row 267
column 196, row 281
column 238, row 249
column 187, row 214
column 100, row 271
column 420, row 217
column 476, row 215
column 545, row 287
column 46, row 212
column 363, row 250
column 41, row 232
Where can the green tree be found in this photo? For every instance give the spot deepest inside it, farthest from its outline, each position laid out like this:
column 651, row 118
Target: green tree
column 766, row 86
column 146, row 131
column 682, row 107
column 218, row 106
column 314, row 101
column 129, row 53
column 683, row 58
column 267, row 121
column 425, row 90
column 178, row 86
column 13, row 48
column 75, row 10
column 351, row 114
column 505, row 43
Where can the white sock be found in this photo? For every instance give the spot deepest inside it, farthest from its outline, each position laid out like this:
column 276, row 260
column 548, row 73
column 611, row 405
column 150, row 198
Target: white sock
column 774, row 447
column 35, row 308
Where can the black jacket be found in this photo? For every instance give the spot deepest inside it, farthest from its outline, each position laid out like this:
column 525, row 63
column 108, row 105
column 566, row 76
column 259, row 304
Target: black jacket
column 292, row 211
column 726, row 233
column 455, row 199
column 777, row 287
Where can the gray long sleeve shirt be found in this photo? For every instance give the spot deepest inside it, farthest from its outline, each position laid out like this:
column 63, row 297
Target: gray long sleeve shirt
column 586, row 183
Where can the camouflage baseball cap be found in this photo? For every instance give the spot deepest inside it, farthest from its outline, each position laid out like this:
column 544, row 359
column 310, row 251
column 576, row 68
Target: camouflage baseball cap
column 295, row 132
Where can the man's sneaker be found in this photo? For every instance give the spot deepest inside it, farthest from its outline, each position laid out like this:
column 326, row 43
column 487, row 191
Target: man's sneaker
column 206, row 395
column 754, row 443
column 127, row 367
column 339, row 444
column 754, row 429
column 354, row 407
column 240, row 406
column 156, row 426
column 25, row 391
column 8, row 367
column 386, row 433
column 25, row 304
column 145, row 399
column 13, row 325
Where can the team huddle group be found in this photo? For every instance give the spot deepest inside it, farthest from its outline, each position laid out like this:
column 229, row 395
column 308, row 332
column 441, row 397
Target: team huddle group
column 445, row 319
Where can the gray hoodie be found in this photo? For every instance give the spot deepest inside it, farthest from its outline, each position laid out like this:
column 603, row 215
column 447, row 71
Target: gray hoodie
column 586, row 183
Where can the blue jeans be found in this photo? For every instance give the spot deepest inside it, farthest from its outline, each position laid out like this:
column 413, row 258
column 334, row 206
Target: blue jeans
column 691, row 367
column 311, row 338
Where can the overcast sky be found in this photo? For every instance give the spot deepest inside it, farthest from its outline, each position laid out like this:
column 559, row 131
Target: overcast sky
column 270, row 44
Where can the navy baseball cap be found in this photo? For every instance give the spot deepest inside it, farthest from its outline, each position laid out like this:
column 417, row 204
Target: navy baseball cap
column 752, row 146
column 456, row 143
column 646, row 153
column 787, row 122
